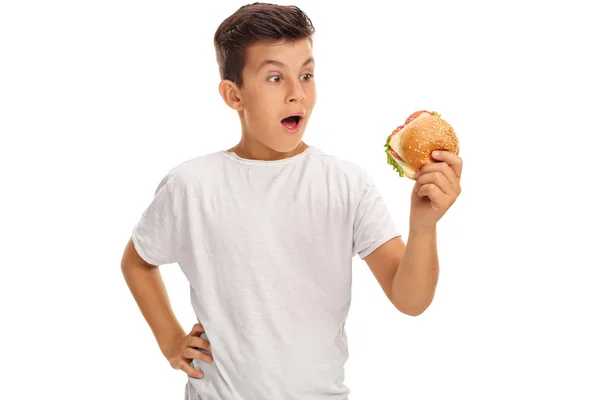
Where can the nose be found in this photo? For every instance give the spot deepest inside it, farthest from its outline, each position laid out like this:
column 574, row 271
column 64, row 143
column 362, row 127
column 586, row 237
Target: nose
column 295, row 93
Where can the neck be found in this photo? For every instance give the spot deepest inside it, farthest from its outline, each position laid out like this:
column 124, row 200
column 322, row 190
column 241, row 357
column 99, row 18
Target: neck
column 253, row 150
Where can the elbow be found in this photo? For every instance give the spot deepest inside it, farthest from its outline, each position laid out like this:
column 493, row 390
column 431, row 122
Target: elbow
column 413, row 308
column 414, row 300
column 412, row 311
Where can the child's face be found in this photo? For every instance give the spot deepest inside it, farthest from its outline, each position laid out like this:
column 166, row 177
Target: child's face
column 277, row 82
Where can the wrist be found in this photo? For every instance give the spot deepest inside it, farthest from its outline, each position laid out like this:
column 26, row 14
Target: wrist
column 166, row 344
column 416, row 230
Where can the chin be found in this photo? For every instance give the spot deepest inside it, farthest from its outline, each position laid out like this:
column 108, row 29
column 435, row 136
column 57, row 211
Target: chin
column 285, row 146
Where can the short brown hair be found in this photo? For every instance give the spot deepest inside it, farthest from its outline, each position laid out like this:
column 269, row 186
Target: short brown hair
column 252, row 23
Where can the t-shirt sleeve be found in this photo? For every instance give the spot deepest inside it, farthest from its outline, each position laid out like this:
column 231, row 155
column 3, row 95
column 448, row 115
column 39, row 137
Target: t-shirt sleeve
column 156, row 234
column 373, row 224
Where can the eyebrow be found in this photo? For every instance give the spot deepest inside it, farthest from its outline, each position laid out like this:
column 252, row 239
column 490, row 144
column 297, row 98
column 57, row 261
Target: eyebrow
column 280, row 64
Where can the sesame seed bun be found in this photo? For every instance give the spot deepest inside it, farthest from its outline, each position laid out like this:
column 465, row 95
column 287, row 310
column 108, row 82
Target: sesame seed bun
column 409, row 147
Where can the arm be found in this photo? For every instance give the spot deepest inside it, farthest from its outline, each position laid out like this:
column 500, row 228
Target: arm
column 415, row 280
column 148, row 289
column 408, row 274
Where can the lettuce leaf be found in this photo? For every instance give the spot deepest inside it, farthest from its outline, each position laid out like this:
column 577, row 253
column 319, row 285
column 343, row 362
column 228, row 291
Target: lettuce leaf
column 390, row 159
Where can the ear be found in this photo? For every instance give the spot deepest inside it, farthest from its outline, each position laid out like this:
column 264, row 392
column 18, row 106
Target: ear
column 231, row 94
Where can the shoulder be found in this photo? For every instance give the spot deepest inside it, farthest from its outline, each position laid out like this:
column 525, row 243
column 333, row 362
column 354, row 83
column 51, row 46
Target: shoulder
column 343, row 169
column 190, row 172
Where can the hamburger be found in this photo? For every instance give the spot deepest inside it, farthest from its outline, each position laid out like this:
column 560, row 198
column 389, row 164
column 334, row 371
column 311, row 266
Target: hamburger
column 409, row 146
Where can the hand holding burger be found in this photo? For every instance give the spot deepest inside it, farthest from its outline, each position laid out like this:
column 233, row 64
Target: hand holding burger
column 425, row 149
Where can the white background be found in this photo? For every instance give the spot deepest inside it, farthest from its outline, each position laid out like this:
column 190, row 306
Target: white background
column 98, row 100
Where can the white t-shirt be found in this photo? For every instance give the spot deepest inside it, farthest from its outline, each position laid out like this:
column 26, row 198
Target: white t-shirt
column 267, row 247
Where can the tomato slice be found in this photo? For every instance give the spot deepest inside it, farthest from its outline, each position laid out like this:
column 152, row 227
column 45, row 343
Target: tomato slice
column 414, row 116
column 398, row 129
column 396, row 155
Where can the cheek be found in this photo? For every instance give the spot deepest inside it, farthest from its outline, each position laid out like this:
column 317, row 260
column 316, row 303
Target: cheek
column 311, row 93
column 260, row 112
column 260, row 100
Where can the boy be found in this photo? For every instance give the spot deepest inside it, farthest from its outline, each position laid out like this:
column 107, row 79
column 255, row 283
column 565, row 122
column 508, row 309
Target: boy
column 265, row 232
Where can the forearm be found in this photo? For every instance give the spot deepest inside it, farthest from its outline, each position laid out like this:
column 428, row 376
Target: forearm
column 415, row 281
column 148, row 289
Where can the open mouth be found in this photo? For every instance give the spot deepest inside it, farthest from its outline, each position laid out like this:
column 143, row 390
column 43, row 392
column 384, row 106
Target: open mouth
column 291, row 124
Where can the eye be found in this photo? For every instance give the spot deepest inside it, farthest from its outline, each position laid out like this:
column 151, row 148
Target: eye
column 274, row 78
column 307, row 77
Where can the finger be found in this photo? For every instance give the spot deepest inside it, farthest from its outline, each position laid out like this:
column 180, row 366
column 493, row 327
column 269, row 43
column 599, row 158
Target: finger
column 438, row 179
column 454, row 161
column 199, row 343
column 433, row 193
column 191, row 371
column 443, row 168
column 197, row 329
column 190, row 353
